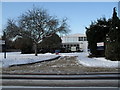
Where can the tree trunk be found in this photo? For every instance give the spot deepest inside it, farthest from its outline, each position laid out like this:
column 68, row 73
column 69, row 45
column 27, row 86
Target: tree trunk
column 36, row 54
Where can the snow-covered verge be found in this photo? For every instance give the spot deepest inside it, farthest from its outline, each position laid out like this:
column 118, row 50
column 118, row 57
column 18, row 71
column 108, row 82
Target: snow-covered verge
column 93, row 62
column 14, row 58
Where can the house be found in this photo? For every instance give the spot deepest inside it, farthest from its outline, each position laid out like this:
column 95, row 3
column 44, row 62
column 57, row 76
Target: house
column 75, row 42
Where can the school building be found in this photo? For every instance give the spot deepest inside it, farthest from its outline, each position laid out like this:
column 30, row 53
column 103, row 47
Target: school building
column 75, row 42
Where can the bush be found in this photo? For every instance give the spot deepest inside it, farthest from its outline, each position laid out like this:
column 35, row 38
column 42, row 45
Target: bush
column 113, row 51
column 25, row 45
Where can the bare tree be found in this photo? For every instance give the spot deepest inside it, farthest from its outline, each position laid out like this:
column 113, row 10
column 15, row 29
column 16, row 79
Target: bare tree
column 38, row 24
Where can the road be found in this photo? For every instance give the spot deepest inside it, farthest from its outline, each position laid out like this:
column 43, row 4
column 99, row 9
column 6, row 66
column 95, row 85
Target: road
column 84, row 80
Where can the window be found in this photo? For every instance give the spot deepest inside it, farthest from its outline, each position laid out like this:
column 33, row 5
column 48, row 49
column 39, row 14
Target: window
column 64, row 45
column 80, row 38
column 85, row 38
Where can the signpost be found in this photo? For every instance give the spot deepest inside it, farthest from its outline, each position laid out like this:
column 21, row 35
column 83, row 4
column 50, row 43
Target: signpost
column 100, row 46
column 5, row 45
column 2, row 42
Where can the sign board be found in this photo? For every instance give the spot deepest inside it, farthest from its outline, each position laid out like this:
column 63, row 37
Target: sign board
column 2, row 42
column 73, row 48
column 100, row 44
column 100, row 48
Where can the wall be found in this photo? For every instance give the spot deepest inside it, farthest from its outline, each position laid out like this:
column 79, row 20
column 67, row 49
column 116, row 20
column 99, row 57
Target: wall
column 74, row 39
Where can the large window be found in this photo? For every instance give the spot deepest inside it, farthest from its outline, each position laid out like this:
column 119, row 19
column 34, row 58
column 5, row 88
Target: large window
column 85, row 38
column 80, row 38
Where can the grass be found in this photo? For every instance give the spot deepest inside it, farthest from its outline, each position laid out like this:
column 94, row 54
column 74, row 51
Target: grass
column 63, row 65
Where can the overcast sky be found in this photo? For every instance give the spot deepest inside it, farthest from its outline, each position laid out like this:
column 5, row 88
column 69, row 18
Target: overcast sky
column 79, row 14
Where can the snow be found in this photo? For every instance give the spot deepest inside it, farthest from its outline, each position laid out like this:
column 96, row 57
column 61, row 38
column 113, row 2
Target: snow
column 93, row 62
column 16, row 37
column 18, row 58
column 14, row 58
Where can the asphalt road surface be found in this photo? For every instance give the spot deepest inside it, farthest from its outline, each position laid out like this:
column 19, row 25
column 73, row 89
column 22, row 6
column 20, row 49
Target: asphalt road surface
column 89, row 80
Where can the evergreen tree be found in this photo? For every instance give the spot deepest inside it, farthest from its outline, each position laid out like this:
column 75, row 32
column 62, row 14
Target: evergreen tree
column 113, row 39
column 24, row 44
column 96, row 32
column 50, row 44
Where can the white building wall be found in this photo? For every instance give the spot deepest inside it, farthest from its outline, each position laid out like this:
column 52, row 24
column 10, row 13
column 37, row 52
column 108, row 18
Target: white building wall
column 85, row 46
column 74, row 39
